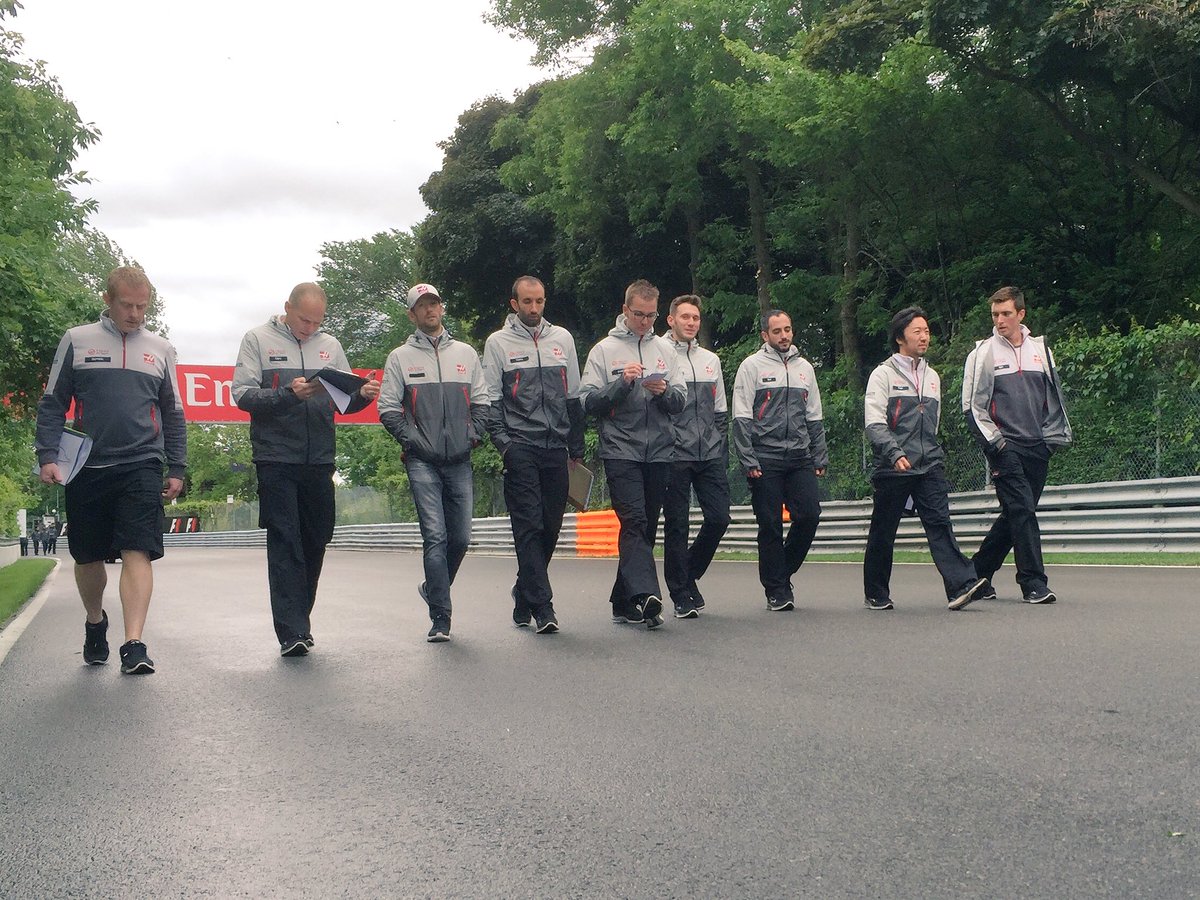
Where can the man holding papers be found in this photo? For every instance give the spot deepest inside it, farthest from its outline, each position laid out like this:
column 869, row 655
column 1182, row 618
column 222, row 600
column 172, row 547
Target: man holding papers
column 280, row 381
column 532, row 377
column 122, row 379
column 633, row 385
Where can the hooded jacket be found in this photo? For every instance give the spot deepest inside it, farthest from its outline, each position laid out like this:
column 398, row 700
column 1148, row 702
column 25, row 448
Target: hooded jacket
column 284, row 428
column 532, row 378
column 1013, row 394
column 700, row 428
column 434, row 400
column 777, row 410
column 901, row 414
column 126, row 397
column 635, row 425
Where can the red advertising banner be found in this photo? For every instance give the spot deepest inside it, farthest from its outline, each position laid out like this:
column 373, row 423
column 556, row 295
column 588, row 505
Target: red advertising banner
column 208, row 397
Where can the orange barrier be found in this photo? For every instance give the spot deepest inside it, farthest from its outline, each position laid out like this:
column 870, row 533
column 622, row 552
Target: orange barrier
column 596, row 533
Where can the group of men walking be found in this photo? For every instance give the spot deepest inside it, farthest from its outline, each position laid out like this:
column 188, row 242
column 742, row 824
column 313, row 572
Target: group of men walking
column 663, row 422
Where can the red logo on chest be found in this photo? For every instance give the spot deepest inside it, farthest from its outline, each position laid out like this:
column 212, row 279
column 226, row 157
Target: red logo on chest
column 148, row 358
column 462, row 370
column 324, row 354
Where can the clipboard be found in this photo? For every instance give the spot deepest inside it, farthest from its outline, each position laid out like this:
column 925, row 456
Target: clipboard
column 579, row 487
column 74, row 448
column 341, row 386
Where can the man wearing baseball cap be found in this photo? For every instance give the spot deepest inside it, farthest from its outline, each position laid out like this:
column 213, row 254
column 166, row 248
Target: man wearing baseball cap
column 434, row 403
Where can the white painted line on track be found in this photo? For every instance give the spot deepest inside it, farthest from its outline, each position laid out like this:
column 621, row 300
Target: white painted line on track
column 9, row 636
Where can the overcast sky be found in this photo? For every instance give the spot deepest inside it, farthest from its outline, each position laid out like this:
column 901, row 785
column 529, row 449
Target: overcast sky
column 239, row 137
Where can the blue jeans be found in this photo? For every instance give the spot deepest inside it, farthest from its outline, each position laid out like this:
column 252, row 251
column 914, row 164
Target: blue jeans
column 444, row 497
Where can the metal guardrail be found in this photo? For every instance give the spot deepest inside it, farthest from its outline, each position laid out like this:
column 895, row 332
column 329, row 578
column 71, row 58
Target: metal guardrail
column 1125, row 516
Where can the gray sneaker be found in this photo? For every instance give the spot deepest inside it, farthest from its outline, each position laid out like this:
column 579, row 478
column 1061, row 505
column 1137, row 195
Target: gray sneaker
column 1040, row 595
column 969, row 594
column 439, row 632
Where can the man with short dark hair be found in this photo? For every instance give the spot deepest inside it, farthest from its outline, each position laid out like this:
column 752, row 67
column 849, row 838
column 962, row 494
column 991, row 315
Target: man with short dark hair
column 532, row 377
column 902, row 412
column 632, row 384
column 122, row 379
column 434, row 403
column 779, row 436
column 1014, row 406
column 292, row 435
column 701, row 459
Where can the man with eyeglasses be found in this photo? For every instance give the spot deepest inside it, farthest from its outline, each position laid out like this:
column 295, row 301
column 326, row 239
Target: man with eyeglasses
column 434, row 403
column 779, row 436
column 633, row 385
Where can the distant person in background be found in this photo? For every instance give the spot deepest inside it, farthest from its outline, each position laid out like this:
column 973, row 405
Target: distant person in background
column 902, row 412
column 434, row 403
column 532, row 377
column 701, row 462
column 1014, row 406
column 122, row 379
column 292, row 436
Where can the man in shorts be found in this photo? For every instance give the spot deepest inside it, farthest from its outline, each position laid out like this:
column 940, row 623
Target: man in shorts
column 122, row 379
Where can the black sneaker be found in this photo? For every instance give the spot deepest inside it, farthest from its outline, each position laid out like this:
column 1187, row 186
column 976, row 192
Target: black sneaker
column 297, row 646
column 440, row 631
column 95, row 641
column 987, row 592
column 685, row 609
column 521, row 613
column 780, row 604
column 1040, row 595
column 134, row 660
column 631, row 614
column 872, row 603
column 308, row 640
column 969, row 594
column 652, row 608
column 547, row 622
column 421, row 591
column 697, row 598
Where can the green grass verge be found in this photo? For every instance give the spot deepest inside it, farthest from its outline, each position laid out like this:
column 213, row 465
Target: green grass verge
column 18, row 582
column 1061, row 559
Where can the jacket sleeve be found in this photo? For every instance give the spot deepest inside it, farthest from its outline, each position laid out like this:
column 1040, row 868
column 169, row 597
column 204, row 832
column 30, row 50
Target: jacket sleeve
column 1057, row 430
column 721, row 406
column 743, row 416
column 978, row 383
column 493, row 378
column 674, row 398
column 575, row 442
column 391, row 401
column 814, row 417
column 883, row 441
column 599, row 395
column 481, row 410
column 52, row 408
column 174, row 428
column 247, row 389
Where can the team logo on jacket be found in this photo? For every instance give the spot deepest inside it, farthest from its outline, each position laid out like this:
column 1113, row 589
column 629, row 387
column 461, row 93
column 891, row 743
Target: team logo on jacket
column 462, row 370
column 662, row 364
column 708, row 370
column 97, row 356
column 324, row 354
column 415, row 372
column 1037, row 358
column 148, row 359
column 558, row 352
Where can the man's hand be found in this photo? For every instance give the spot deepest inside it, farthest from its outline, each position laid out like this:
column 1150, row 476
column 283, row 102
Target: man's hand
column 304, row 389
column 632, row 372
column 50, row 474
column 657, row 387
column 173, row 488
column 756, row 472
column 370, row 390
column 572, row 464
column 819, row 472
column 902, row 464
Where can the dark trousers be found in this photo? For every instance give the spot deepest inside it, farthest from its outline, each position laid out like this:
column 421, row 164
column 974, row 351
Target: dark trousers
column 637, row 491
column 685, row 565
column 929, row 492
column 295, row 505
column 794, row 485
column 1019, row 476
column 535, row 491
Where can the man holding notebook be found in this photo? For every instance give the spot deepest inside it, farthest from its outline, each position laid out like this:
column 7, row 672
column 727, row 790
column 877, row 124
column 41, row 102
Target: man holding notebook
column 122, row 379
column 291, row 432
column 532, row 376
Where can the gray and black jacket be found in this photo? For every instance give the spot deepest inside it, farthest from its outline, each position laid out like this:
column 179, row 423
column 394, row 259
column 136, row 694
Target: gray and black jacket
column 1013, row 394
column 635, row 425
column 532, row 379
column 126, row 397
column 434, row 400
column 777, row 413
column 902, row 411
column 700, row 428
column 284, row 428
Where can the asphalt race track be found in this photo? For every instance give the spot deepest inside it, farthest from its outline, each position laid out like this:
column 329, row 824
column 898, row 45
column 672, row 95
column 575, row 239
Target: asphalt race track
column 1002, row 751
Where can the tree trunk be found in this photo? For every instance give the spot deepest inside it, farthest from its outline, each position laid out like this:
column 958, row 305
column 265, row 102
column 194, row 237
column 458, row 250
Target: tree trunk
column 757, row 200
column 849, row 306
column 693, row 238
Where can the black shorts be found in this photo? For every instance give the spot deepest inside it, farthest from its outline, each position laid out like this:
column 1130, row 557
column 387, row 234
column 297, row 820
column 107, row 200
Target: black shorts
column 116, row 508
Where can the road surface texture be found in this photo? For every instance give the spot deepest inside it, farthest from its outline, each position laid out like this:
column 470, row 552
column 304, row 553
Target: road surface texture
column 1002, row 751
